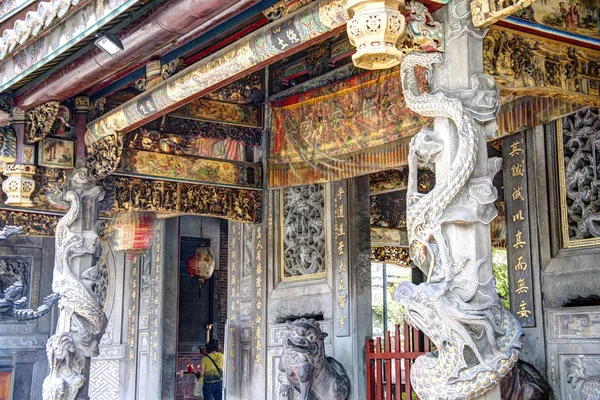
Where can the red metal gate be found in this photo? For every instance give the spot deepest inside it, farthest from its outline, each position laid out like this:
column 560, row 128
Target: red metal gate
column 388, row 363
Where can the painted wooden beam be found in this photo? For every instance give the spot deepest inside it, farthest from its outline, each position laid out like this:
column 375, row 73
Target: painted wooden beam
column 273, row 42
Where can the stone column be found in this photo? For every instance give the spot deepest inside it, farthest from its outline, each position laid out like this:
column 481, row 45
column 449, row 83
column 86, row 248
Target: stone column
column 448, row 228
column 81, row 318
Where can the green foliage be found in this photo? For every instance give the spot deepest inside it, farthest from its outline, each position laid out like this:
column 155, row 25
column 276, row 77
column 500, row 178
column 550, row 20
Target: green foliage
column 500, row 268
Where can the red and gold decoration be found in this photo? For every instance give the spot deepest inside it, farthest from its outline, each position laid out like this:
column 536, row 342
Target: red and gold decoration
column 133, row 232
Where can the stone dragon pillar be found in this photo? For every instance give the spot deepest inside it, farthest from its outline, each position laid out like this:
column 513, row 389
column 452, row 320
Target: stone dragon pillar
column 478, row 341
column 81, row 316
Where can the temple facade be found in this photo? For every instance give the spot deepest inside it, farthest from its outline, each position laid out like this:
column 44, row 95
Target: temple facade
column 358, row 199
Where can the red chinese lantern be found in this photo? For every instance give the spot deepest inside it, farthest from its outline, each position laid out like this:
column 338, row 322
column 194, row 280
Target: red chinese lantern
column 201, row 264
column 134, row 232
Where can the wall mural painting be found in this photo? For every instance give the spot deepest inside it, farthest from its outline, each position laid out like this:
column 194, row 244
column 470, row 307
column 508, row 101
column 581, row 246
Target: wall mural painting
column 578, row 137
column 302, row 232
column 575, row 16
column 144, row 163
column 185, row 144
column 56, row 153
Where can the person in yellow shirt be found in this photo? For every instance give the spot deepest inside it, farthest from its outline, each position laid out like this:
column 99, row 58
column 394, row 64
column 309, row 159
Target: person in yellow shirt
column 212, row 371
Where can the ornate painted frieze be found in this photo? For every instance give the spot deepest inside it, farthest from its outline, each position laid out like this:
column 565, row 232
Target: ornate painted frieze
column 242, row 91
column 40, row 121
column 391, row 255
column 219, row 111
column 389, row 180
column 488, row 12
column 191, row 169
column 283, row 8
column 32, row 223
column 303, row 232
column 126, row 194
column 526, row 64
column 578, row 147
column 202, row 129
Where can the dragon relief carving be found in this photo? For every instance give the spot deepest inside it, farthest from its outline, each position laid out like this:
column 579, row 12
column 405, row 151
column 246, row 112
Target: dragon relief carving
column 304, row 367
column 581, row 136
column 477, row 340
column 303, row 230
column 81, row 317
column 578, row 378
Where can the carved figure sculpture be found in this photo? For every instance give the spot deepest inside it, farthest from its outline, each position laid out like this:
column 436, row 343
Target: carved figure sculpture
column 477, row 340
column 303, row 365
column 81, row 317
column 577, row 376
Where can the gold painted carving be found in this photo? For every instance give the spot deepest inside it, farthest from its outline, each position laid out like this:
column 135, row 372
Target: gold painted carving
column 32, row 223
column 40, row 120
column 523, row 64
column 104, row 156
column 488, row 12
column 391, row 255
column 125, row 194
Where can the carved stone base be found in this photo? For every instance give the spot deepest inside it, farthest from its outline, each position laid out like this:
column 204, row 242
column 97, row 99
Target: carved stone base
column 20, row 184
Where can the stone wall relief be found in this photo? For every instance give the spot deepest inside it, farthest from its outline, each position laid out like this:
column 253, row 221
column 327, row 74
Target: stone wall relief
column 578, row 148
column 582, row 376
column 302, row 232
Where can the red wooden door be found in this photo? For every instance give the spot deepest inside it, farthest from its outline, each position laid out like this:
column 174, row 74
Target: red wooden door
column 4, row 385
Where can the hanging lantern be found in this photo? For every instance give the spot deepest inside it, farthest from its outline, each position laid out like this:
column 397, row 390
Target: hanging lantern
column 133, row 232
column 375, row 29
column 201, row 265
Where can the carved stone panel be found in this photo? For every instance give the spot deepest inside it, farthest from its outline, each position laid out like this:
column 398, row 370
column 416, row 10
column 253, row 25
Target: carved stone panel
column 580, row 376
column 578, row 142
column 302, row 232
column 14, row 281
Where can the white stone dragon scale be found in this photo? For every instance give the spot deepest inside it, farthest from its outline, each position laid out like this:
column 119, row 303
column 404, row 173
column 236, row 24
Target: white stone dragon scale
column 477, row 340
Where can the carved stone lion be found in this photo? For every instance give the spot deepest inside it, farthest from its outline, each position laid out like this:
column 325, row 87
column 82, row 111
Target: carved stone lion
column 304, row 366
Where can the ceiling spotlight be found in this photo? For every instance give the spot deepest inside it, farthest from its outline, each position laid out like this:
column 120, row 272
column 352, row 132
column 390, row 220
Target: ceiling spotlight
column 109, row 43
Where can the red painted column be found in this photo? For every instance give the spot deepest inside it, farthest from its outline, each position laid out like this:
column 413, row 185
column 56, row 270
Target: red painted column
column 17, row 122
column 82, row 107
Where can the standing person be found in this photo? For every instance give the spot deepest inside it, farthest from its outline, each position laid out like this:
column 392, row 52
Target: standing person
column 212, row 370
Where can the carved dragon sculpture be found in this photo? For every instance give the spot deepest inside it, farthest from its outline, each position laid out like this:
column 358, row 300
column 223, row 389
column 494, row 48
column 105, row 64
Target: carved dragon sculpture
column 589, row 386
column 13, row 303
column 81, row 317
column 304, row 366
column 477, row 340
